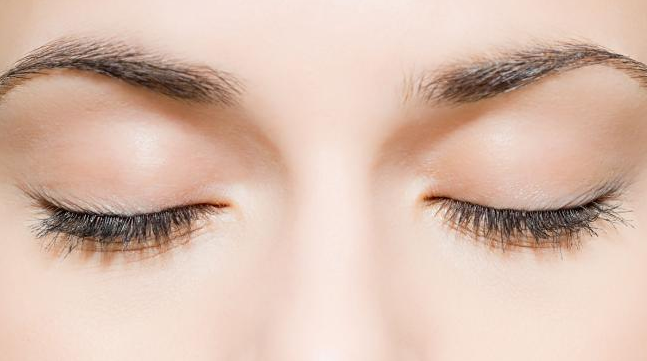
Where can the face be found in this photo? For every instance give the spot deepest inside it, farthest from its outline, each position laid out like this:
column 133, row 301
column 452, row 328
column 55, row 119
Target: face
column 323, row 180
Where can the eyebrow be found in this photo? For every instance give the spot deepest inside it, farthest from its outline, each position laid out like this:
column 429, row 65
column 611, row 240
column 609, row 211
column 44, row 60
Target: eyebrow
column 130, row 64
column 486, row 77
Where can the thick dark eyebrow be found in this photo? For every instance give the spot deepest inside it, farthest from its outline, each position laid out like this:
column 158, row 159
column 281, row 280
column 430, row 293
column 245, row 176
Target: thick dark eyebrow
column 131, row 64
column 486, row 77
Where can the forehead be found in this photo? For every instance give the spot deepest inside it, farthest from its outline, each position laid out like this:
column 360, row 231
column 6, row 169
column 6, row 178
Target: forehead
column 310, row 55
column 324, row 35
column 321, row 57
column 311, row 29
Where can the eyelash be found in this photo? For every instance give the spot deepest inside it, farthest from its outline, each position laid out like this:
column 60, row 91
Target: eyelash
column 556, row 228
column 71, row 229
column 564, row 227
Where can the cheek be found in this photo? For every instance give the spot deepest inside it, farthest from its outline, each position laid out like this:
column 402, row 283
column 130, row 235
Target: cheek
column 448, row 292
column 23, row 320
column 449, row 295
column 209, row 296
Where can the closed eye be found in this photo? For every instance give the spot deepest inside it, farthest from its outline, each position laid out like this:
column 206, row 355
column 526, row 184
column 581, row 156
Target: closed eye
column 68, row 229
column 556, row 228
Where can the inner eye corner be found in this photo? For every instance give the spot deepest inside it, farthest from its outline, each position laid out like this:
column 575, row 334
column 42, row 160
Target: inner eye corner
column 431, row 197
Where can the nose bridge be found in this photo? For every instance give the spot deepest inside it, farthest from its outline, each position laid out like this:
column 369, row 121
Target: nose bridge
column 331, row 310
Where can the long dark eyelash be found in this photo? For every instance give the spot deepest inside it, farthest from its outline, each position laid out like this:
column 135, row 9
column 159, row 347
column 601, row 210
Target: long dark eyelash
column 75, row 228
column 529, row 228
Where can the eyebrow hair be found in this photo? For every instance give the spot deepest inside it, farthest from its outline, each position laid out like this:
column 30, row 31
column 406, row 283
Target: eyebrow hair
column 130, row 64
column 486, row 77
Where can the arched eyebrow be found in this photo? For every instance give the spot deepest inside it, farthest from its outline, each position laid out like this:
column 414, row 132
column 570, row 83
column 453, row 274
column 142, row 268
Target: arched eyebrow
column 131, row 64
column 486, row 77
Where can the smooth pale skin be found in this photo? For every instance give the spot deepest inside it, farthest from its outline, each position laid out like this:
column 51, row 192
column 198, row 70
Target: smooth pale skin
column 327, row 252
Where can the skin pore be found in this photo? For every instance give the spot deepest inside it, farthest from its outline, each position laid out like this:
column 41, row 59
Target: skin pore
column 318, row 129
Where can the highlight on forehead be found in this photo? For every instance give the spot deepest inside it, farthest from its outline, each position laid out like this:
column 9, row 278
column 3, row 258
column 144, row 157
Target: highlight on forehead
column 128, row 63
column 485, row 77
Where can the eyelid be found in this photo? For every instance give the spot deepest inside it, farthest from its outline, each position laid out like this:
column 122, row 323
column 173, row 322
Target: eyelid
column 109, row 231
column 556, row 228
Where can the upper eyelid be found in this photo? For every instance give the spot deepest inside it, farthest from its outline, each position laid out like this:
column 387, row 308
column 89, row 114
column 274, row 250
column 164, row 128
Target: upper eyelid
column 141, row 214
column 534, row 229
column 149, row 230
column 44, row 199
column 612, row 189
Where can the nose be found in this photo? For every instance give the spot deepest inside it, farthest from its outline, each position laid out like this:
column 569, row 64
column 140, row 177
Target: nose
column 331, row 308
